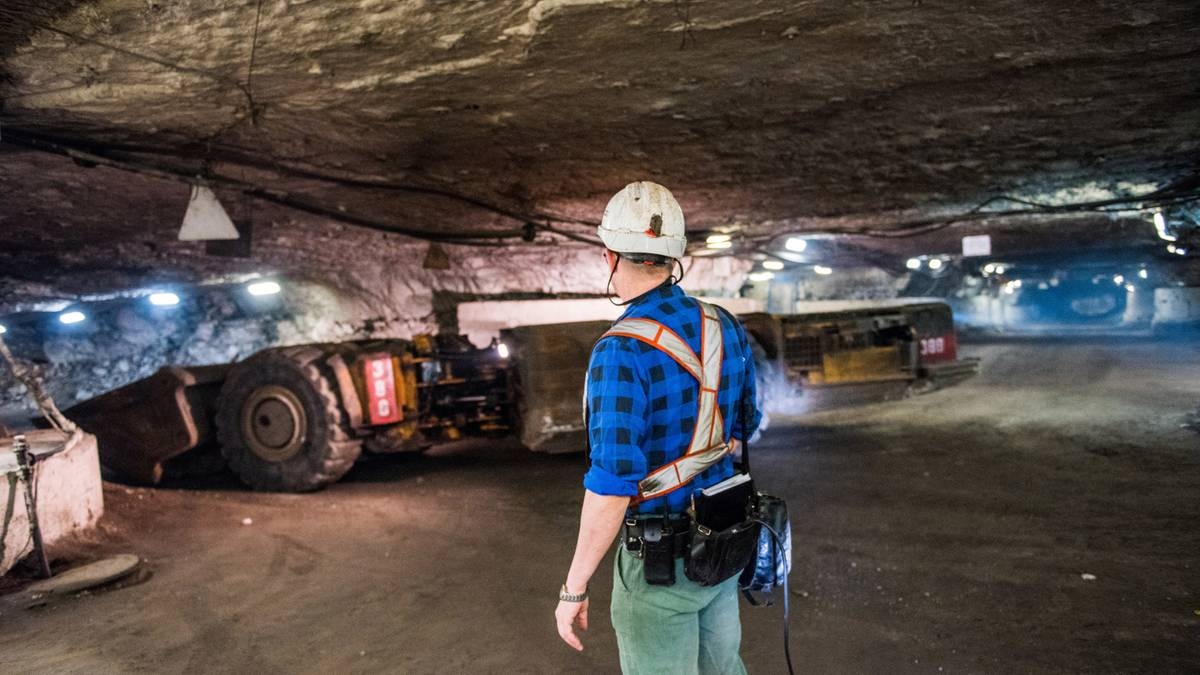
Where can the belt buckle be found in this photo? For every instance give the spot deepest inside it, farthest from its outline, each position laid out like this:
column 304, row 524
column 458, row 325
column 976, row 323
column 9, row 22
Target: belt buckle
column 634, row 545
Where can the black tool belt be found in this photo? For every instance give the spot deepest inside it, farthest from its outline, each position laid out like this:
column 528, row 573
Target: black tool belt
column 658, row 541
column 673, row 531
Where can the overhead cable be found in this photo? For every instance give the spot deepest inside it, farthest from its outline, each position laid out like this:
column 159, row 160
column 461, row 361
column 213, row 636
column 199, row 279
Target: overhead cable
column 286, row 199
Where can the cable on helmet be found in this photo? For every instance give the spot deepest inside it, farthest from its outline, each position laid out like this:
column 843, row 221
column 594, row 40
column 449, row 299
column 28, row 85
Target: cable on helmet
column 649, row 260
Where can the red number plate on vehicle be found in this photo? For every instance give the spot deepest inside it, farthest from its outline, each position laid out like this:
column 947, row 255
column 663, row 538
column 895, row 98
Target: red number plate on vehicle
column 941, row 348
column 381, row 391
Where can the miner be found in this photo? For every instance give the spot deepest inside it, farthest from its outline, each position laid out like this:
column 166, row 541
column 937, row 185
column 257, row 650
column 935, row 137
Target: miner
column 657, row 434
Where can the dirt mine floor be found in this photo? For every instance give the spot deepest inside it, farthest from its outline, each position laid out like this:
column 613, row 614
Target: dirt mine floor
column 948, row 533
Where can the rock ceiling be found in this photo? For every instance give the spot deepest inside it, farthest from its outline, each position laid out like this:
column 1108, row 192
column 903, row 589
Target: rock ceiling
column 452, row 119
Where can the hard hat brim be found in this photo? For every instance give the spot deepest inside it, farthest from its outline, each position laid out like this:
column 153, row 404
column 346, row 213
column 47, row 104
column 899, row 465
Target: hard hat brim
column 637, row 242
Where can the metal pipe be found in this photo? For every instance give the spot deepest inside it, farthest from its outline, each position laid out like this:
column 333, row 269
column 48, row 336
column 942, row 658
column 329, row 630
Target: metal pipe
column 25, row 464
column 29, row 377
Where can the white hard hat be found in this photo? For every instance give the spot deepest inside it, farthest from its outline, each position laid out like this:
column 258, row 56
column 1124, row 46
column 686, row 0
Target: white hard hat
column 643, row 218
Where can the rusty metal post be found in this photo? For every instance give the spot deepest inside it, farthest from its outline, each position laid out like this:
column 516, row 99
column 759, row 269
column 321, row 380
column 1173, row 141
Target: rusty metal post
column 25, row 462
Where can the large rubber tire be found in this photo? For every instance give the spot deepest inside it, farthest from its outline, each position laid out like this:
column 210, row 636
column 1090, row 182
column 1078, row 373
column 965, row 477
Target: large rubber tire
column 280, row 424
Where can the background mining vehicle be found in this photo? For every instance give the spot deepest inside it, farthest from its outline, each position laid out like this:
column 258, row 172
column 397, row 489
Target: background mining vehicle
column 297, row 418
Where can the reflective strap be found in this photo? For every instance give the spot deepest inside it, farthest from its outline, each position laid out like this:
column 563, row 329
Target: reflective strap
column 710, row 428
column 657, row 335
column 708, row 445
column 670, row 477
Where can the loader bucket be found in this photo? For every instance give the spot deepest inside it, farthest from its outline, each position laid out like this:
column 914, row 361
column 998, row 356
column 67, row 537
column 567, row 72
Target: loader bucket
column 143, row 424
column 550, row 362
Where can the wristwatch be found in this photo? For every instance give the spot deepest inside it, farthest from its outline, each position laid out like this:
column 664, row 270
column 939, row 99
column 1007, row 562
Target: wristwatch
column 571, row 597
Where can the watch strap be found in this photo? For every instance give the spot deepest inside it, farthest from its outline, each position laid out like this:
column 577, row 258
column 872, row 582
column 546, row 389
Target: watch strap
column 571, row 597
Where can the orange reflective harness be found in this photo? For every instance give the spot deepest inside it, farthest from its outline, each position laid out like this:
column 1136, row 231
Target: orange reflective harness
column 708, row 445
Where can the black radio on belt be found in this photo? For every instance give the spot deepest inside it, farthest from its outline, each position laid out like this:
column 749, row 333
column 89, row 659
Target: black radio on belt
column 658, row 541
column 658, row 552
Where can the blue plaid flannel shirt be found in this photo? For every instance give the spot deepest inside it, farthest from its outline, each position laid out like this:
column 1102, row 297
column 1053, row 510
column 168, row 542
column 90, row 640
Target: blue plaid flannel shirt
column 642, row 404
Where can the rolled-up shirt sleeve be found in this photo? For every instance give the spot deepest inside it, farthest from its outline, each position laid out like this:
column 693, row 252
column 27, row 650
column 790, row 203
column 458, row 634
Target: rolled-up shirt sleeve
column 616, row 401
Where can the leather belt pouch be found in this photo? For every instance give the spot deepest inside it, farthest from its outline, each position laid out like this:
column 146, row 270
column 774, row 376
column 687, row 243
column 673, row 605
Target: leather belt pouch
column 715, row 557
column 724, row 534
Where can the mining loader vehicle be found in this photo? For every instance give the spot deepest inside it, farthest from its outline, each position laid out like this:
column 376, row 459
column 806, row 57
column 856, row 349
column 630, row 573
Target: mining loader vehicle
column 297, row 418
column 852, row 352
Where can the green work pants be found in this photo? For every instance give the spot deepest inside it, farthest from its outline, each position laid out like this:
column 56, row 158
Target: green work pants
column 682, row 629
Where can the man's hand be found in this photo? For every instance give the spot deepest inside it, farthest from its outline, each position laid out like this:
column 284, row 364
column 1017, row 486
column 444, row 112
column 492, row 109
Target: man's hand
column 599, row 521
column 566, row 615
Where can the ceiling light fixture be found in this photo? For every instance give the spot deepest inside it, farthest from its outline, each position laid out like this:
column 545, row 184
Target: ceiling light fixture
column 1143, row 274
column 3, row 329
column 205, row 218
column 720, row 244
column 72, row 317
column 1160, row 226
column 913, row 263
column 718, row 238
column 823, row 270
column 761, row 276
column 772, row 265
column 164, row 299
column 935, row 263
column 261, row 288
column 795, row 244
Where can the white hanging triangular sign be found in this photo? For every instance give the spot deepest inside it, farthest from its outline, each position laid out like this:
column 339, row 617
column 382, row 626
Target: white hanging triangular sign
column 206, row 218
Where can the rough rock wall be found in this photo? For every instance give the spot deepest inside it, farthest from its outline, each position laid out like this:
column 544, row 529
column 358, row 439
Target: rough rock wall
column 861, row 283
column 386, row 292
column 858, row 283
column 394, row 286
column 772, row 115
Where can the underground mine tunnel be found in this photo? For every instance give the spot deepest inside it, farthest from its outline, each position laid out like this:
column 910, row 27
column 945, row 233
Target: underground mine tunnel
column 297, row 300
